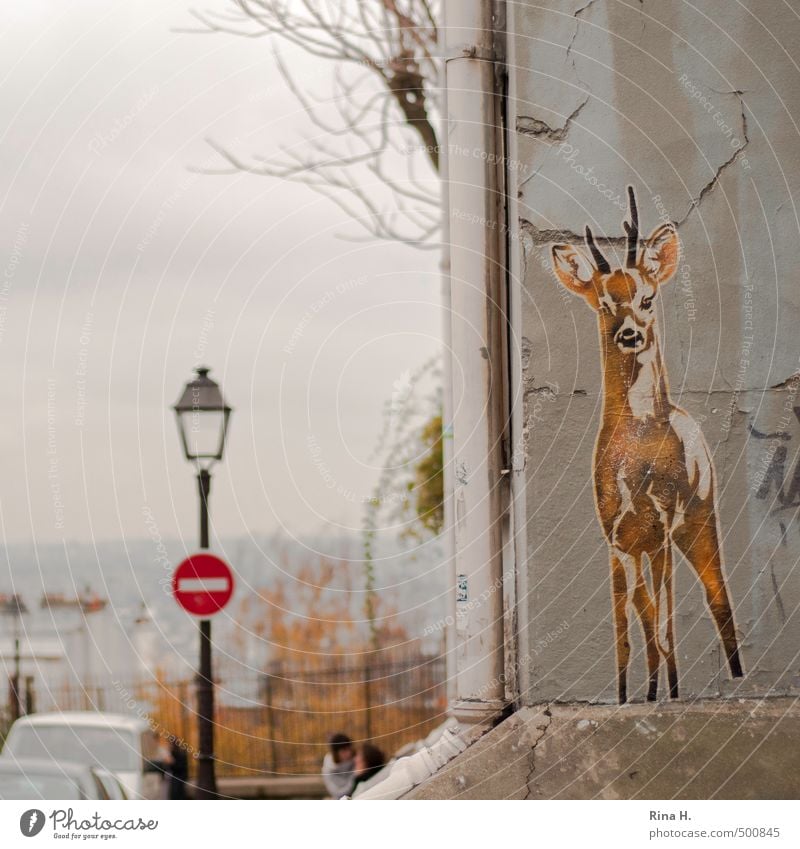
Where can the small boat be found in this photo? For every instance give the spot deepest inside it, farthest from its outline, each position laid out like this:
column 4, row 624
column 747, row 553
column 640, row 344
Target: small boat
column 86, row 603
column 12, row 604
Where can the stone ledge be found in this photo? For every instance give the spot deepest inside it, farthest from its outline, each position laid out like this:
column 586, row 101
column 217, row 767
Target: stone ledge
column 710, row 749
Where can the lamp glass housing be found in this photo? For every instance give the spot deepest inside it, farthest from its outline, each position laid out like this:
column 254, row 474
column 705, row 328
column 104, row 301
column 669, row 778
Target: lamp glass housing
column 202, row 419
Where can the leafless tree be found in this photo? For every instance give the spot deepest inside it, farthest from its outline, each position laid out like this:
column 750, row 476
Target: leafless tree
column 378, row 123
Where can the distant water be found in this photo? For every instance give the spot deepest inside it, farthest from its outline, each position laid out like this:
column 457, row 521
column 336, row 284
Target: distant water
column 142, row 629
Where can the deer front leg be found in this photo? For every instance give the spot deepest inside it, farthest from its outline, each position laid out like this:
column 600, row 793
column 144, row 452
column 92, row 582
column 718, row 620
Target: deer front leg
column 647, row 618
column 661, row 564
column 619, row 601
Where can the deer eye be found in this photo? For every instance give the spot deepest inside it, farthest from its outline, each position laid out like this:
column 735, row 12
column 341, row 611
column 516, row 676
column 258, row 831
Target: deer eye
column 647, row 303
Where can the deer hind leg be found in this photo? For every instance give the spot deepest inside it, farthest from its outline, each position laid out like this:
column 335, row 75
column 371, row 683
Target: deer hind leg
column 619, row 600
column 646, row 610
column 697, row 538
column 661, row 565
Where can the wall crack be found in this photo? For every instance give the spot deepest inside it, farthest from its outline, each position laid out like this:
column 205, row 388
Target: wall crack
column 577, row 15
column 542, row 728
column 529, row 126
column 541, row 236
column 722, row 168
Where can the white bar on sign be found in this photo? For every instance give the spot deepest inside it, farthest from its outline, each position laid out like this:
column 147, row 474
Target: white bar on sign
column 202, row 585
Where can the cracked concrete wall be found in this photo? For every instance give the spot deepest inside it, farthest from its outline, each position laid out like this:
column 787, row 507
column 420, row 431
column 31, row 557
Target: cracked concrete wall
column 698, row 108
column 742, row 749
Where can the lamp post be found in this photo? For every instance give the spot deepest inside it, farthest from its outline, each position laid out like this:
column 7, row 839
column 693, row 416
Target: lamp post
column 203, row 424
column 15, row 606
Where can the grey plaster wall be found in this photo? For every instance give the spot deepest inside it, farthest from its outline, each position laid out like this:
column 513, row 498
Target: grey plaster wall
column 698, row 107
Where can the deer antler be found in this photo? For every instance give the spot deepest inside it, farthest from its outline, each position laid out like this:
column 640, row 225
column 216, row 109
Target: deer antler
column 600, row 260
column 632, row 229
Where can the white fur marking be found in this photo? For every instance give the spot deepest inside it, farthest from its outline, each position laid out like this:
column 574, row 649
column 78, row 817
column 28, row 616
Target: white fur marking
column 642, row 394
column 695, row 452
column 624, row 492
column 629, row 564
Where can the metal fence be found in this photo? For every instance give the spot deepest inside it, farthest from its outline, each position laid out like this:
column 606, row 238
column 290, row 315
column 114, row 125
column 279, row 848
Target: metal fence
column 277, row 722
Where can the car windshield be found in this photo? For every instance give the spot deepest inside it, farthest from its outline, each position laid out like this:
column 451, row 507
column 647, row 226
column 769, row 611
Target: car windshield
column 37, row 786
column 110, row 748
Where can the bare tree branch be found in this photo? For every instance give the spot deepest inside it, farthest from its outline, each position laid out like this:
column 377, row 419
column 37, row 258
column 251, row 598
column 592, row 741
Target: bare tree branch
column 384, row 85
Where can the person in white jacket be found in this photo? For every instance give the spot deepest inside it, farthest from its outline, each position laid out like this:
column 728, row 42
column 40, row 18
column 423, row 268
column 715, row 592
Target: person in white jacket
column 338, row 766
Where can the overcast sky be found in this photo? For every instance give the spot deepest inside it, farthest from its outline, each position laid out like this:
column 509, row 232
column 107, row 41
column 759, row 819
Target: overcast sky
column 122, row 268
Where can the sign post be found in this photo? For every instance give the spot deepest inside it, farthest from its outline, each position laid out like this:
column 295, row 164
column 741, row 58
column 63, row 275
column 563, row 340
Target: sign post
column 202, row 585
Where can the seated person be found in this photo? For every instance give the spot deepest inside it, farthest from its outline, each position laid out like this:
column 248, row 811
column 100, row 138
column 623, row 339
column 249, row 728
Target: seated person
column 338, row 766
column 370, row 760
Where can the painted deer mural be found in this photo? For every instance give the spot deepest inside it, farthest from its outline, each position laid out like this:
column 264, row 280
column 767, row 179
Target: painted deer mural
column 654, row 481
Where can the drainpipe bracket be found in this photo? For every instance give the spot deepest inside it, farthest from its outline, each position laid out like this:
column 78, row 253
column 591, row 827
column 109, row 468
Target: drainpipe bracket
column 471, row 51
column 477, row 711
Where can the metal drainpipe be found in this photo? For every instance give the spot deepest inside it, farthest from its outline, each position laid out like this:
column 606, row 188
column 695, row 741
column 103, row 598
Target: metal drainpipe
column 448, row 534
column 519, row 592
column 478, row 350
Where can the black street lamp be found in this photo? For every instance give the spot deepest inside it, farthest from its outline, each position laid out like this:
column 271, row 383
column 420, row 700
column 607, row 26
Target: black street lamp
column 203, row 424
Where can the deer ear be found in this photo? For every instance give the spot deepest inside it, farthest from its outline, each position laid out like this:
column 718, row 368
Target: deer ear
column 661, row 253
column 575, row 271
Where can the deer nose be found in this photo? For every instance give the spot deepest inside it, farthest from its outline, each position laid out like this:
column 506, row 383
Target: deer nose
column 630, row 338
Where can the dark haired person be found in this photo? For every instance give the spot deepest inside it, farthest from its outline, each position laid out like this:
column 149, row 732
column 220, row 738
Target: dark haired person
column 178, row 772
column 174, row 767
column 338, row 765
column 370, row 760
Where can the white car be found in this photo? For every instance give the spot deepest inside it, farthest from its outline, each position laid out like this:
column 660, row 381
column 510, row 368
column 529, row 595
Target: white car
column 121, row 744
column 32, row 778
column 111, row 784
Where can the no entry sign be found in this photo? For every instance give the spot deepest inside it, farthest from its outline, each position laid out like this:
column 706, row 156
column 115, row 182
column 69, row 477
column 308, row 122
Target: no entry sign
column 202, row 584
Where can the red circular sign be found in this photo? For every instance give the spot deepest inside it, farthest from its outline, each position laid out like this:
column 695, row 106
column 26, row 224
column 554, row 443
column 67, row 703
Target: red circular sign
column 202, row 584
